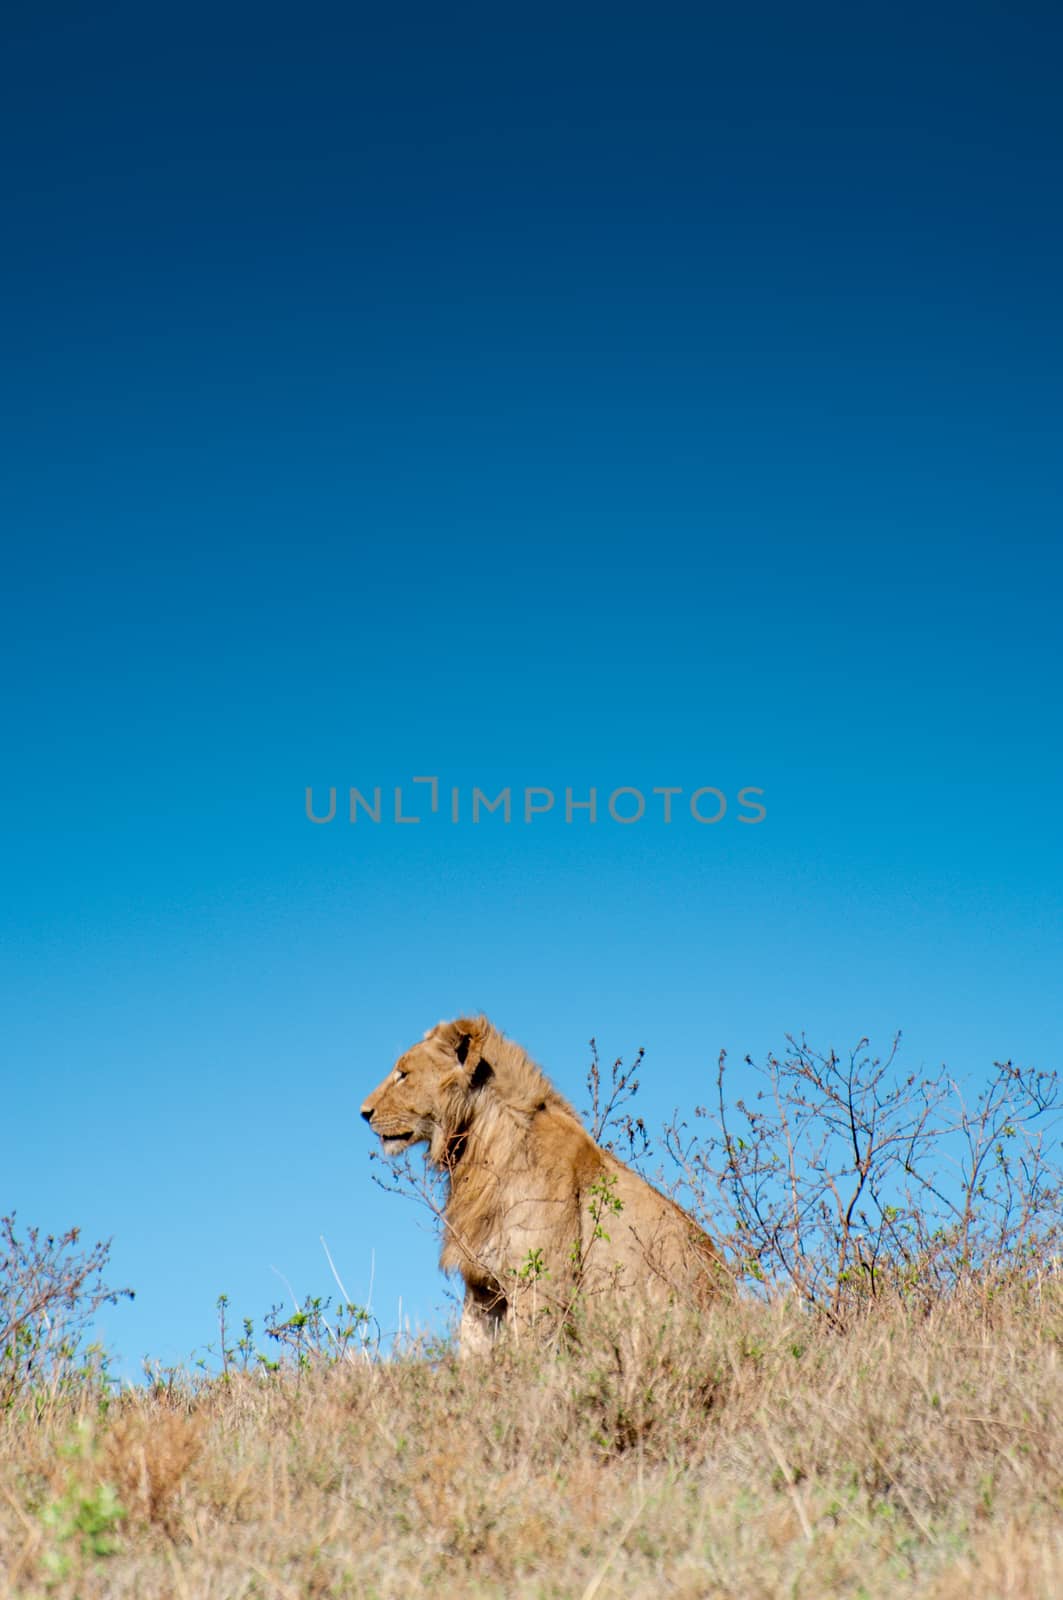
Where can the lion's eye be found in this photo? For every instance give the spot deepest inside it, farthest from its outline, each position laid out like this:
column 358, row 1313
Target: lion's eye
column 400, row 1075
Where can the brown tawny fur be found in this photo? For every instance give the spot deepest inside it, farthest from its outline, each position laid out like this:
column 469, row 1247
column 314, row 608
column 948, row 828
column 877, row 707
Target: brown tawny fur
column 537, row 1217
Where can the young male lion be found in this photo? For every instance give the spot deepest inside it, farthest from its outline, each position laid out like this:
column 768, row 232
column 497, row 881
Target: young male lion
column 537, row 1215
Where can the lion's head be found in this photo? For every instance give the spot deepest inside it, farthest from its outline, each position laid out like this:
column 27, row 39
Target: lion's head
column 429, row 1096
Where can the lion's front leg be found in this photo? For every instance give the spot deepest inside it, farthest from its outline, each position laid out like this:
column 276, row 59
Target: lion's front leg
column 482, row 1317
column 542, row 1283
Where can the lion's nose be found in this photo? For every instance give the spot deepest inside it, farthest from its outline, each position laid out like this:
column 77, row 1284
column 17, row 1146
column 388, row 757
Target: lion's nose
column 367, row 1113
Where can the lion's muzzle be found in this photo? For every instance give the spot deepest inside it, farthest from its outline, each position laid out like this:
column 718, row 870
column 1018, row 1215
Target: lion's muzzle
column 394, row 1137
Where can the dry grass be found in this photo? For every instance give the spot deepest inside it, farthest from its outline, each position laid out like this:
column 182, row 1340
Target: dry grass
column 757, row 1455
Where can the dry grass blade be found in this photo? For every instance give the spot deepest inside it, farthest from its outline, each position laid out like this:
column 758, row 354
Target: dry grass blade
column 791, row 1482
column 599, row 1577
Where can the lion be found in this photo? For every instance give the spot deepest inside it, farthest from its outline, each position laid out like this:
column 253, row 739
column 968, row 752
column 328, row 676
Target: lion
column 537, row 1215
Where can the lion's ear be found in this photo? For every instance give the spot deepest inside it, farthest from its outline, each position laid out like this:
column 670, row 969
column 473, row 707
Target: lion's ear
column 464, row 1035
column 467, row 1039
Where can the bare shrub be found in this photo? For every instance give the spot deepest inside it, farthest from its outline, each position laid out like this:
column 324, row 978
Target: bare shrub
column 50, row 1290
column 841, row 1178
column 612, row 1122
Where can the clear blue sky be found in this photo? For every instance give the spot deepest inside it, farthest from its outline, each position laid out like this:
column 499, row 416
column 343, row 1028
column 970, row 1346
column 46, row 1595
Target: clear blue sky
column 556, row 398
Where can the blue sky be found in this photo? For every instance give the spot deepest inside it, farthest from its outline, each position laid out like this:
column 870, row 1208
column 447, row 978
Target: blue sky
column 594, row 400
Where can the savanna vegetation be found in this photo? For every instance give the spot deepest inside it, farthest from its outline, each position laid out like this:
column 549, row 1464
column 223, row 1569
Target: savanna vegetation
column 878, row 1412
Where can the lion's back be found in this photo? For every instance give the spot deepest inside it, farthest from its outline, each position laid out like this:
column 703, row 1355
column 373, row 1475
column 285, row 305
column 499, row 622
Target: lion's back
column 655, row 1243
column 628, row 1233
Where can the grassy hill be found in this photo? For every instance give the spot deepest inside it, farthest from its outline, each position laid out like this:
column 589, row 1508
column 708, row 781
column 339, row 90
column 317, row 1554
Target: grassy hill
column 764, row 1453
